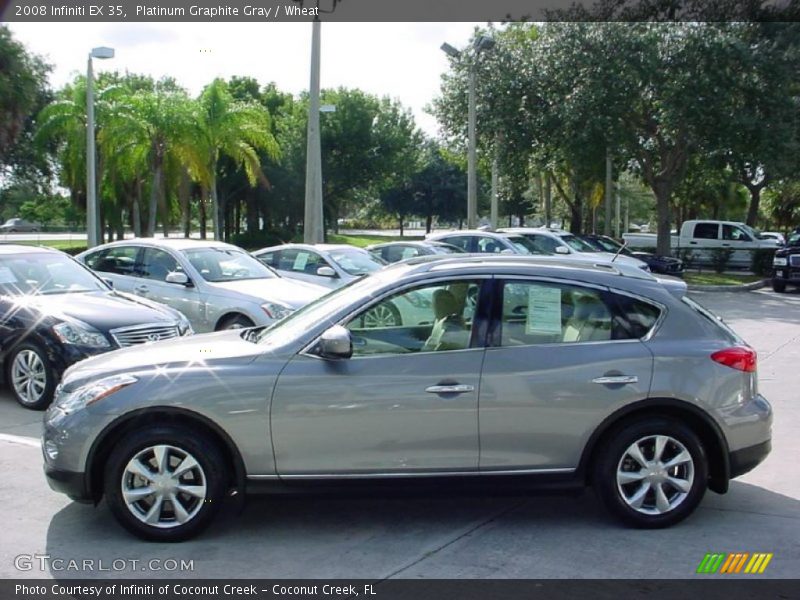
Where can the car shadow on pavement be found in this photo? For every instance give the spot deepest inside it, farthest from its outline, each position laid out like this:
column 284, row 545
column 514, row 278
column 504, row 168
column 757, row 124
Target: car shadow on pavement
column 446, row 536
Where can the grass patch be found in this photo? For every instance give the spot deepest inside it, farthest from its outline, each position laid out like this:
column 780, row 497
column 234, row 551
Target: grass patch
column 367, row 240
column 719, row 278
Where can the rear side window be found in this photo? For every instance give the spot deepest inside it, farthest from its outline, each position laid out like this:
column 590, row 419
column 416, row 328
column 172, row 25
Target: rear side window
column 706, row 231
column 636, row 318
column 459, row 241
column 120, row 260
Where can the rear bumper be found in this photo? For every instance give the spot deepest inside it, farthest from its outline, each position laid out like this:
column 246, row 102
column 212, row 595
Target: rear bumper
column 68, row 482
column 746, row 459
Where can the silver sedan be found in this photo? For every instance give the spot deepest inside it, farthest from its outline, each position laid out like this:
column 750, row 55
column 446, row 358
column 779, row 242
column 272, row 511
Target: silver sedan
column 549, row 380
column 215, row 285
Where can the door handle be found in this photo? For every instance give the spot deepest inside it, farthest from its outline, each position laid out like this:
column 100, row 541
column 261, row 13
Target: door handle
column 693, row 243
column 615, row 379
column 142, row 289
column 725, row 245
column 458, row 388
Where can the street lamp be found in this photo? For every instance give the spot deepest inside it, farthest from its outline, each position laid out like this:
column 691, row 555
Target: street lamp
column 482, row 43
column 91, row 181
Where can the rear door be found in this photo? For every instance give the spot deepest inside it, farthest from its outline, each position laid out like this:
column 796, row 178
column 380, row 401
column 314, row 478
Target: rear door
column 561, row 358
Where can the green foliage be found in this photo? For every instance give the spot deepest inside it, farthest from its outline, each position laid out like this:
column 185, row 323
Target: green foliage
column 261, row 239
column 761, row 262
column 720, row 257
column 45, row 210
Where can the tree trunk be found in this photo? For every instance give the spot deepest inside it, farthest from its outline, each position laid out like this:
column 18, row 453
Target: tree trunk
column 755, row 201
column 184, row 193
column 152, row 207
column 203, row 216
column 217, row 215
column 428, row 222
column 136, row 213
column 663, row 191
column 401, row 225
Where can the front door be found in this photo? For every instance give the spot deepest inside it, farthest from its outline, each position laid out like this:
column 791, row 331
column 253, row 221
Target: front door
column 406, row 402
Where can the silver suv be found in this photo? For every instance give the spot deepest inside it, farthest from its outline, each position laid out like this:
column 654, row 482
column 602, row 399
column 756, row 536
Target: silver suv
column 215, row 285
column 558, row 373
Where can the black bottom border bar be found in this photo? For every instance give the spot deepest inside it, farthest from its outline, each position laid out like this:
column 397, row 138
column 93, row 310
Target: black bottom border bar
column 721, row 587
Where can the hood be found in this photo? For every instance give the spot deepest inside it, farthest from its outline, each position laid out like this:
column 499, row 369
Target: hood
column 192, row 351
column 787, row 251
column 288, row 292
column 101, row 310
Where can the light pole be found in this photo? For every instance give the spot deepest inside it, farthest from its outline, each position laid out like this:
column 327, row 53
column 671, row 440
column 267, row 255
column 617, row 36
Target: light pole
column 314, row 219
column 481, row 43
column 91, row 178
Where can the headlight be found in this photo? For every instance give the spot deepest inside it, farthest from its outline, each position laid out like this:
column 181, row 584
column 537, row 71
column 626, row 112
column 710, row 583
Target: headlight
column 92, row 392
column 779, row 261
column 276, row 311
column 80, row 335
column 184, row 327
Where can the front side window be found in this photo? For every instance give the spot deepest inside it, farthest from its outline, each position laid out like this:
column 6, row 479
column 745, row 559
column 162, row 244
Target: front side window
column 487, row 245
column 432, row 318
column 157, row 264
column 543, row 244
column 577, row 243
column 548, row 313
column 459, row 241
column 736, row 234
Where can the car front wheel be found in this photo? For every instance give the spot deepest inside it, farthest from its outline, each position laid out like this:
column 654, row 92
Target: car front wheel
column 778, row 286
column 165, row 483
column 31, row 376
column 651, row 472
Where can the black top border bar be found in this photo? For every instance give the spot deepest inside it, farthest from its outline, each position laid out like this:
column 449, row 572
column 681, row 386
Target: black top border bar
column 265, row 11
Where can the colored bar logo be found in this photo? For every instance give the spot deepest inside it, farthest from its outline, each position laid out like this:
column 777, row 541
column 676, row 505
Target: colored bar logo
column 734, row 562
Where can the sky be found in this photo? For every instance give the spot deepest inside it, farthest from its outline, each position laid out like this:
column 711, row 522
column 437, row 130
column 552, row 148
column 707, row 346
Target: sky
column 400, row 60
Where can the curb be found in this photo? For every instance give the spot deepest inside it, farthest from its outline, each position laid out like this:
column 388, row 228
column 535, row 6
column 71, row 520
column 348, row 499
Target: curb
column 745, row 287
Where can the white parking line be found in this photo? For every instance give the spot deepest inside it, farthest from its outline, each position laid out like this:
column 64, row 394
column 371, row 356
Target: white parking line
column 21, row 439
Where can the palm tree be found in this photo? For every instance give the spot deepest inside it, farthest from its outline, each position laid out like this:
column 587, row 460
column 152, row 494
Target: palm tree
column 234, row 129
column 149, row 130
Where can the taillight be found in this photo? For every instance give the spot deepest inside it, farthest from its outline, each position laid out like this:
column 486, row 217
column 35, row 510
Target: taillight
column 738, row 357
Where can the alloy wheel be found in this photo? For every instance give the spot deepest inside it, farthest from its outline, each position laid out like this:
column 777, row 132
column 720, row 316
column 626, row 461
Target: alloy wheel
column 28, row 376
column 380, row 316
column 655, row 474
column 163, row 486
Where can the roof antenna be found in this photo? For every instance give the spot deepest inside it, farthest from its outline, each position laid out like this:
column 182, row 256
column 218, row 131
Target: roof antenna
column 621, row 248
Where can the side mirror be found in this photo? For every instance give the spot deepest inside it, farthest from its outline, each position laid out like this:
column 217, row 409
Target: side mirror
column 335, row 343
column 326, row 272
column 562, row 250
column 177, row 277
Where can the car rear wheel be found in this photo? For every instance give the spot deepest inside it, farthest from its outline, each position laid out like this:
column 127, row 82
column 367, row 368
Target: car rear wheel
column 31, row 376
column 778, row 286
column 652, row 472
column 165, row 483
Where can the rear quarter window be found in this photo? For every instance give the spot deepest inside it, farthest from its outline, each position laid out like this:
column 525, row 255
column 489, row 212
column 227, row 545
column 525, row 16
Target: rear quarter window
column 635, row 319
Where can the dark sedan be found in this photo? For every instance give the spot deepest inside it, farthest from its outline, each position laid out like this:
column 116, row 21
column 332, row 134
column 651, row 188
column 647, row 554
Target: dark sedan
column 55, row 312
column 393, row 252
column 666, row 265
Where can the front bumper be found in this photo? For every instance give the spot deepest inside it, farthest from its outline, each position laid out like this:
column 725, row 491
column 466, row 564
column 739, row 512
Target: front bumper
column 72, row 484
column 746, row 459
column 787, row 274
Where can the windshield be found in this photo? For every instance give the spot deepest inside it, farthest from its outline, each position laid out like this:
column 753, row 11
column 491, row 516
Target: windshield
column 45, row 273
column 523, row 244
column 577, row 244
column 227, row 264
column 323, row 308
column 356, row 262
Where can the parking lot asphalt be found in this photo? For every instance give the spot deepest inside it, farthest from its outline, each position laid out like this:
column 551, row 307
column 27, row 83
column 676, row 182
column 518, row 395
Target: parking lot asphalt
column 546, row 536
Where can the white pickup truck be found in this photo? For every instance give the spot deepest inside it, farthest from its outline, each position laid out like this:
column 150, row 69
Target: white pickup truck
column 703, row 237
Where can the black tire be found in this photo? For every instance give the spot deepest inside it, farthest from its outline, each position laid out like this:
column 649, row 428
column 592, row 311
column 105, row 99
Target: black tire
column 778, row 286
column 614, row 455
column 390, row 315
column 46, row 397
column 182, row 442
column 235, row 322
